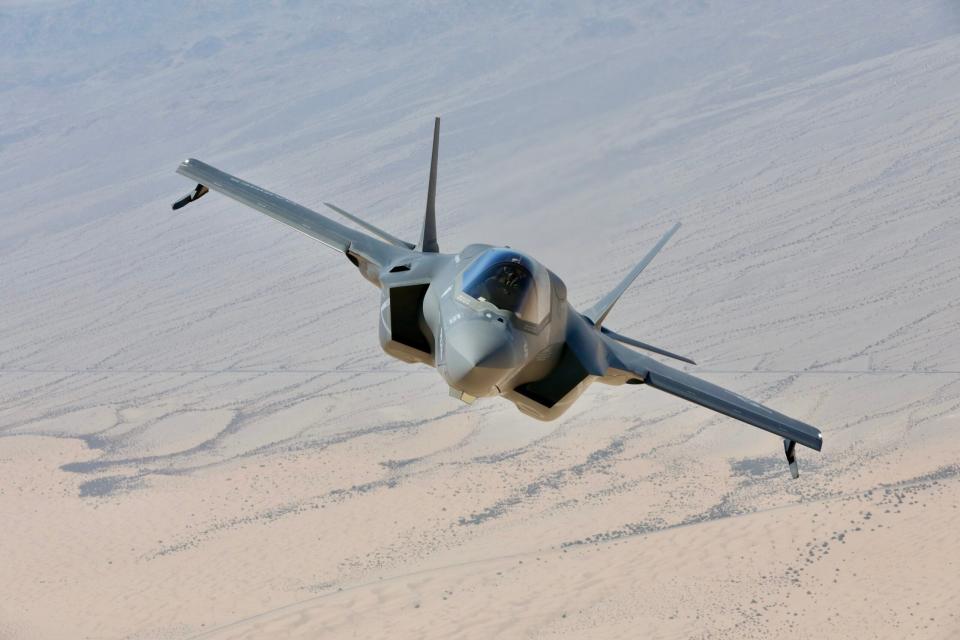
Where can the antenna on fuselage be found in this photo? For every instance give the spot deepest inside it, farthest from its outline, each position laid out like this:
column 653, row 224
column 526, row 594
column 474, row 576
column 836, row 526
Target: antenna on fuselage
column 428, row 235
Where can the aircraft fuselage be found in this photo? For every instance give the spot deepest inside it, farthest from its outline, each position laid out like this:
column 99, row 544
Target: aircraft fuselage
column 479, row 349
column 493, row 321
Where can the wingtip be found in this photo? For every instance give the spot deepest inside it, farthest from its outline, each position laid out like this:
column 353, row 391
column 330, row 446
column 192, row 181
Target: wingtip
column 814, row 442
column 187, row 165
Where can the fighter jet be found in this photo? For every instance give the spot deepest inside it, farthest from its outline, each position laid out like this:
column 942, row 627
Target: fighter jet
column 492, row 320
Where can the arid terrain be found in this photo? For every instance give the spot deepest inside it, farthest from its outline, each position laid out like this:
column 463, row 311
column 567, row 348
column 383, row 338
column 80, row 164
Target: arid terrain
column 200, row 437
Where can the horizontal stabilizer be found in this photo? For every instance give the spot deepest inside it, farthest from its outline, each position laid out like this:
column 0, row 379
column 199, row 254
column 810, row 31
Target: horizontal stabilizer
column 598, row 312
column 392, row 239
column 643, row 345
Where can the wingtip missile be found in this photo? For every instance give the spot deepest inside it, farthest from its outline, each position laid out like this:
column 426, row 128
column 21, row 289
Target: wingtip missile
column 790, row 449
column 198, row 192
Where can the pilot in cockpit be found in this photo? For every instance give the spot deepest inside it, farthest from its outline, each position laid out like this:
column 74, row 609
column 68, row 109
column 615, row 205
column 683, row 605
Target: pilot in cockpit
column 502, row 279
column 505, row 285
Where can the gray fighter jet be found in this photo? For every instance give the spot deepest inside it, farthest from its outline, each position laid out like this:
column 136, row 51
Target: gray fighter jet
column 492, row 320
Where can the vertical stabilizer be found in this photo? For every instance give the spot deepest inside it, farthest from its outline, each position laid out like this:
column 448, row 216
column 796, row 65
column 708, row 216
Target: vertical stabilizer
column 428, row 236
column 598, row 312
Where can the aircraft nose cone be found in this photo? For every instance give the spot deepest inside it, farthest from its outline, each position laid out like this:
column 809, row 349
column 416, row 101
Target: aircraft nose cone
column 478, row 355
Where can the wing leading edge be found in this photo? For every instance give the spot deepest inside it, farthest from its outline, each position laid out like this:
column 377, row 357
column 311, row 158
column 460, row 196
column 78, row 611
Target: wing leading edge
column 329, row 232
column 693, row 389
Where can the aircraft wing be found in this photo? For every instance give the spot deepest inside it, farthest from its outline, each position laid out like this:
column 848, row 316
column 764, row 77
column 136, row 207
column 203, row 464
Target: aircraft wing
column 683, row 385
column 331, row 233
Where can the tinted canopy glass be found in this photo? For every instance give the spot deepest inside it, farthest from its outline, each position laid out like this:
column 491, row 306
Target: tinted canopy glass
column 510, row 282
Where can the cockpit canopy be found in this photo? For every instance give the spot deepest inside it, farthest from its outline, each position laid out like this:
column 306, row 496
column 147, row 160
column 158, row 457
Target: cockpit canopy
column 511, row 282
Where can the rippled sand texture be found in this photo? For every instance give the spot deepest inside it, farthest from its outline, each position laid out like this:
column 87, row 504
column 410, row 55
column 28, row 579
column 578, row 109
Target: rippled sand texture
column 199, row 433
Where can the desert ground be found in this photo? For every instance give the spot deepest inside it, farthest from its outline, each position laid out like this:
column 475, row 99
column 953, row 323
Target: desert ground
column 201, row 438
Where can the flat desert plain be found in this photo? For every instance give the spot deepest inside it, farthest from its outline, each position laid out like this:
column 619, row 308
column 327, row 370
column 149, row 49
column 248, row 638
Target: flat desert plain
column 200, row 437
